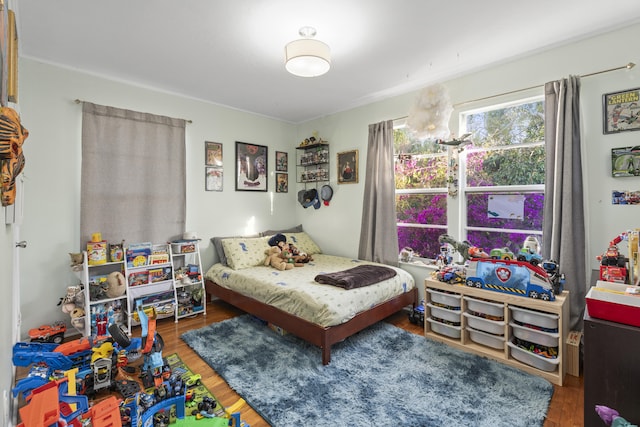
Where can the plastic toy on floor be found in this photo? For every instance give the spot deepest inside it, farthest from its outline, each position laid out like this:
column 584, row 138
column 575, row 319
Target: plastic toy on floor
column 612, row 418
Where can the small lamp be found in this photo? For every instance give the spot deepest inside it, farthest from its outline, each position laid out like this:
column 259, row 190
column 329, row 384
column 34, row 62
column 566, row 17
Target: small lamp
column 307, row 57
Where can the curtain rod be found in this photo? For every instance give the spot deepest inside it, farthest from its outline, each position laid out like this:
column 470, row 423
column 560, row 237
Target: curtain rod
column 628, row 66
column 78, row 101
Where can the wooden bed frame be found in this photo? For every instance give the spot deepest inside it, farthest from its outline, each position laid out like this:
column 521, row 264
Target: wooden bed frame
column 323, row 337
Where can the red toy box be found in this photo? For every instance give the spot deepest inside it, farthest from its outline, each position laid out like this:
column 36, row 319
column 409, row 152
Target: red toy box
column 610, row 301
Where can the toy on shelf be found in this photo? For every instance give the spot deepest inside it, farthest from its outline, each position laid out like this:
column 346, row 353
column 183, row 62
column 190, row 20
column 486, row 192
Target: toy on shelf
column 613, row 265
column 530, row 251
column 511, row 277
column 444, row 257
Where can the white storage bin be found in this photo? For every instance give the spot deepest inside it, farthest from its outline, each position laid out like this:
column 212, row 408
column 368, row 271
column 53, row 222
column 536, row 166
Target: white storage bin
column 492, row 326
column 490, row 340
column 451, row 300
column 492, row 309
column 444, row 329
column 549, row 339
column 445, row 314
column 533, row 359
column 543, row 320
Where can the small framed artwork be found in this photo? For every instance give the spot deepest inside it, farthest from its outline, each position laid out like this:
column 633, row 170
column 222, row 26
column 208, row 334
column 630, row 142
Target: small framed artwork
column 621, row 111
column 282, row 183
column 212, row 154
column 251, row 167
column 213, row 179
column 348, row 167
column 282, row 161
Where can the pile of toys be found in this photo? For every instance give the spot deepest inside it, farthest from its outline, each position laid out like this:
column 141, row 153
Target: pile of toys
column 524, row 273
column 64, row 377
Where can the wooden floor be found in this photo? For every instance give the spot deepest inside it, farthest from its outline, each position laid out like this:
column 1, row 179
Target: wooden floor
column 566, row 409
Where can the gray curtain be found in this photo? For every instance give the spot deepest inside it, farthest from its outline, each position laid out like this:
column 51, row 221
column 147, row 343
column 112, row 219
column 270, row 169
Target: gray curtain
column 133, row 176
column 379, row 232
column 564, row 224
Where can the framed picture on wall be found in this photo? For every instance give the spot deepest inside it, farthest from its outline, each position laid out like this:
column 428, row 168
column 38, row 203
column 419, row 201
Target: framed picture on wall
column 212, row 154
column 282, row 183
column 213, row 179
column 251, row 167
column 621, row 111
column 348, row 167
column 282, row 161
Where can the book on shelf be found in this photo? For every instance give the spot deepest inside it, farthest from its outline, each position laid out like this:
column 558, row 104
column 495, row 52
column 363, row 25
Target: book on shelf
column 159, row 274
column 137, row 254
column 158, row 258
column 138, row 278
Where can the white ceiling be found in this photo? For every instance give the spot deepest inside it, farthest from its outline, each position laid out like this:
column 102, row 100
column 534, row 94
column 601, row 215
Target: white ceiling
column 231, row 52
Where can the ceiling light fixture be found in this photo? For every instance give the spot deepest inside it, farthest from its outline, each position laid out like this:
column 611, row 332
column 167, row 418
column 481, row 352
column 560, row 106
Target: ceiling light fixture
column 307, row 57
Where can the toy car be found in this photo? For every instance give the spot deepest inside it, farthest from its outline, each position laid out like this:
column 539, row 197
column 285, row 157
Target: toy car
column 502, row 253
column 416, row 316
column 530, row 256
column 613, row 257
column 193, row 380
column 48, row 333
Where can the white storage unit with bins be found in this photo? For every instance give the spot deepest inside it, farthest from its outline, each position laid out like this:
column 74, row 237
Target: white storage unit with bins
column 526, row 333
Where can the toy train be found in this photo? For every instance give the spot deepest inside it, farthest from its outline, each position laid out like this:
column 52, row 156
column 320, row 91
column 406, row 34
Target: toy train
column 511, row 277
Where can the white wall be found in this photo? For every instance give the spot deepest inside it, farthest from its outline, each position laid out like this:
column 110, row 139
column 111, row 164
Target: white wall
column 52, row 172
column 53, row 153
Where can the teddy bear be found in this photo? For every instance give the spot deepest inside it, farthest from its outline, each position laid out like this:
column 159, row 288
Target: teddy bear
column 274, row 259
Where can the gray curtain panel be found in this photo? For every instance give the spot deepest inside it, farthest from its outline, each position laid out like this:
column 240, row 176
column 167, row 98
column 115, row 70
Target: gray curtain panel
column 564, row 223
column 379, row 232
column 133, row 176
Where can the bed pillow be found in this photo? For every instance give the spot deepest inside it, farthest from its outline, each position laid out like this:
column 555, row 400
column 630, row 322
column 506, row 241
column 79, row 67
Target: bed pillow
column 303, row 242
column 217, row 244
column 296, row 229
column 245, row 252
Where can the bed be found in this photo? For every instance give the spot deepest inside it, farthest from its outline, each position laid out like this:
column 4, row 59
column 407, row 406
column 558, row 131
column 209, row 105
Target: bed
column 321, row 314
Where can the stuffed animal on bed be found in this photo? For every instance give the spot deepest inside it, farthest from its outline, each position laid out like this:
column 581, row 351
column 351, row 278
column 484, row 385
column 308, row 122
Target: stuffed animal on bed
column 297, row 255
column 275, row 260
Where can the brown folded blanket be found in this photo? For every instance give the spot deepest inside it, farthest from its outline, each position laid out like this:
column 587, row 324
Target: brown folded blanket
column 356, row 277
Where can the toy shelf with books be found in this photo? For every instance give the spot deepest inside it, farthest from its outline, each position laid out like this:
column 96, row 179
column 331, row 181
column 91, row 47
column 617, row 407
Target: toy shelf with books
column 105, row 297
column 189, row 284
column 149, row 277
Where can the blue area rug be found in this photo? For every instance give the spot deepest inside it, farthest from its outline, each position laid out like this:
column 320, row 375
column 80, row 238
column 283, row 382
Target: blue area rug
column 383, row 376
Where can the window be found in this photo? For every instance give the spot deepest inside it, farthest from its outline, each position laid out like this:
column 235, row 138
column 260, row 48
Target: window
column 501, row 181
column 421, row 194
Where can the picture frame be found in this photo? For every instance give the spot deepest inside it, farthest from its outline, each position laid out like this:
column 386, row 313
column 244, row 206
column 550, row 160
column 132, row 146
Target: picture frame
column 282, row 161
column 282, row 183
column 251, row 167
column 212, row 153
column 348, row 167
column 621, row 111
column 213, row 178
column 625, row 162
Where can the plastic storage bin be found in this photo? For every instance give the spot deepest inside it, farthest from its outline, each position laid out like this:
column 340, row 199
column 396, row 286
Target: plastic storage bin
column 492, row 309
column 543, row 320
column 491, row 326
column 451, row 300
column 549, row 339
column 489, row 340
column 445, row 314
column 444, row 329
column 532, row 359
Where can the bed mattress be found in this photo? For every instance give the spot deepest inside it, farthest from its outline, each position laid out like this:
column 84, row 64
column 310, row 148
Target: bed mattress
column 296, row 292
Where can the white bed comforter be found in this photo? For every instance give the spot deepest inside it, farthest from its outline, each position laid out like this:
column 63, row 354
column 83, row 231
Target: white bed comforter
column 295, row 291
